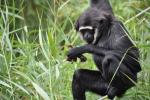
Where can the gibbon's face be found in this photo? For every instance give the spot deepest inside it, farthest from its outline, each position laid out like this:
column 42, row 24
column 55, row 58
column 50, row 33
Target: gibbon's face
column 87, row 33
column 88, row 23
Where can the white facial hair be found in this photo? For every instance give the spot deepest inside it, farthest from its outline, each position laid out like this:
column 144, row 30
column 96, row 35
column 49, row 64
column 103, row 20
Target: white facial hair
column 95, row 35
column 85, row 27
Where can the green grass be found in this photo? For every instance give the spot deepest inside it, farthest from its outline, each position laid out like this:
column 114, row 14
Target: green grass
column 33, row 64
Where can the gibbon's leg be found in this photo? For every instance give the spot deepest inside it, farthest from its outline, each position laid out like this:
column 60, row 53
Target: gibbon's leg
column 88, row 80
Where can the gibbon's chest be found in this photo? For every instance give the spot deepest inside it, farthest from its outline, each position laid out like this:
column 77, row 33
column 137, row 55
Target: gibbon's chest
column 98, row 61
column 107, row 44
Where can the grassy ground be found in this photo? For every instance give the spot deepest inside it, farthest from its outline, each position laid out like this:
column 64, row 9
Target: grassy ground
column 34, row 39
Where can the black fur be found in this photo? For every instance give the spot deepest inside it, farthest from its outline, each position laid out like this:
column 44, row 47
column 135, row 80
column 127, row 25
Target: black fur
column 114, row 54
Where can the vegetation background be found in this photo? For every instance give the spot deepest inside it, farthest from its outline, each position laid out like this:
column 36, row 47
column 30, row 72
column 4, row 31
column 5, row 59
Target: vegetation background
column 35, row 36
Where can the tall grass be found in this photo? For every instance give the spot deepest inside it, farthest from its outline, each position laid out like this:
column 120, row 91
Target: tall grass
column 34, row 39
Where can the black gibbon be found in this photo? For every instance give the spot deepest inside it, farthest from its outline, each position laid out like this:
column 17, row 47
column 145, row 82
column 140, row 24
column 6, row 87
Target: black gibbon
column 114, row 54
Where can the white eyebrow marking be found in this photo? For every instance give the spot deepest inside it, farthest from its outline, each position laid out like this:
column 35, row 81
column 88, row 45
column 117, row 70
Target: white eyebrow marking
column 85, row 27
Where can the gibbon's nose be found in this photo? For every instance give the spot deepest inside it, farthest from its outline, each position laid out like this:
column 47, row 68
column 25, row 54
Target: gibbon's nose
column 88, row 37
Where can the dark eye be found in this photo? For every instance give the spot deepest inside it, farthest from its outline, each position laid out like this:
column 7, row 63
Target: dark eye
column 82, row 31
column 91, row 31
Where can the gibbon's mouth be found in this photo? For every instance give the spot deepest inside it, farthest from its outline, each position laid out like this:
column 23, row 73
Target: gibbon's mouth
column 90, row 41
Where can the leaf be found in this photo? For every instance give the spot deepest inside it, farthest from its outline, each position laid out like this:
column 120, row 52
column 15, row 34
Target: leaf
column 40, row 91
column 19, row 86
column 5, row 84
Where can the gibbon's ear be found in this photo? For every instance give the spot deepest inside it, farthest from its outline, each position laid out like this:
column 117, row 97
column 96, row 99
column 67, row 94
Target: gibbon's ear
column 76, row 25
